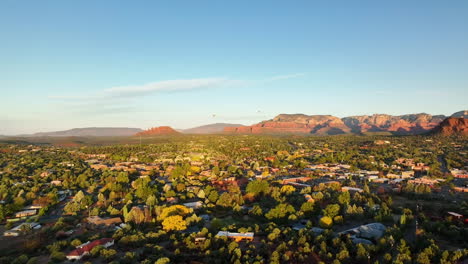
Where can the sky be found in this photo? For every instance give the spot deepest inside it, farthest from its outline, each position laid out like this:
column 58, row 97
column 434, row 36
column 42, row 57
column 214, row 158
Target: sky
column 67, row 64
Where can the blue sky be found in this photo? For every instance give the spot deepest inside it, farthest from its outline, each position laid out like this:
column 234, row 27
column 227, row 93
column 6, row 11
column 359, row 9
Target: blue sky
column 66, row 64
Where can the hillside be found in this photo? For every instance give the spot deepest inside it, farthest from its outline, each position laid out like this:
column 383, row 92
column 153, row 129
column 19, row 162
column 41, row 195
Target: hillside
column 154, row 131
column 90, row 132
column 463, row 114
column 409, row 124
column 209, row 129
column 452, row 126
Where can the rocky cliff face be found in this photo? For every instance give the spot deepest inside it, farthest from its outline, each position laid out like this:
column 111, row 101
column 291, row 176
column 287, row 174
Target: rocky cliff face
column 154, row 131
column 331, row 125
column 452, row 126
column 298, row 124
column 405, row 124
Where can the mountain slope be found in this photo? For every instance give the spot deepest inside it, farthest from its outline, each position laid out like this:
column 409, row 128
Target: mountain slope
column 452, row 126
column 91, row 132
column 463, row 114
column 209, row 129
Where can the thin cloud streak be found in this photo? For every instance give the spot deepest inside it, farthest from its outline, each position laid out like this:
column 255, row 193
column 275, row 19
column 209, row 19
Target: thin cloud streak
column 167, row 86
column 285, row 77
column 131, row 91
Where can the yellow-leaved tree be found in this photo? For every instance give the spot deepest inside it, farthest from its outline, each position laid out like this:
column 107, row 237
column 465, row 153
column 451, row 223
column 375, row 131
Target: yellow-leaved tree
column 174, row 210
column 174, row 222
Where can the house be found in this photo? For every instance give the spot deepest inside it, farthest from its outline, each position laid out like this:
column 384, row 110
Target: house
column 18, row 230
column 25, row 213
column 407, row 174
column 237, row 236
column 194, row 205
column 172, row 200
column 351, row 189
column 380, row 180
column 309, row 198
column 461, row 189
column 457, row 173
column 372, row 177
column 56, row 183
column 296, row 180
column 455, row 215
column 426, row 181
column 372, row 231
column 86, row 248
column 33, row 206
column 98, row 221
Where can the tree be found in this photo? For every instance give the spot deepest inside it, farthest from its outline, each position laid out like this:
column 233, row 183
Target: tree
column 343, row 254
column 174, row 210
column 162, row 261
column 344, row 198
column 287, row 189
column 227, row 199
column 404, row 253
column 102, row 199
column 307, row 207
column 331, row 210
column 326, row 222
column 257, row 187
column 76, row 242
column 78, row 197
column 366, row 188
column 174, row 222
column 213, row 196
column 72, row 207
column 256, row 210
column 108, row 254
column 280, row 211
column 151, row 201
column 361, row 252
column 58, row 256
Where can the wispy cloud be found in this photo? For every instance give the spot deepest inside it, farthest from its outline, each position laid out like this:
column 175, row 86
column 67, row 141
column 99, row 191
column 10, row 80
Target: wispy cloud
column 153, row 87
column 285, row 77
column 167, row 86
column 131, row 91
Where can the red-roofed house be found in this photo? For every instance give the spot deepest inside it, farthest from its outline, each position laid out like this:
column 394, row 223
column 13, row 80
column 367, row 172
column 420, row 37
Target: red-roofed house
column 86, row 248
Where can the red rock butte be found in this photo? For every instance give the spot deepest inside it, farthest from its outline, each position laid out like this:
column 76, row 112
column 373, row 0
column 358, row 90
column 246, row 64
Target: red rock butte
column 162, row 130
column 452, row 126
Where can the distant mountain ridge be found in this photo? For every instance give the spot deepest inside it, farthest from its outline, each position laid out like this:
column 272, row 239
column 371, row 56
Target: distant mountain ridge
column 90, row 132
column 209, row 129
column 409, row 124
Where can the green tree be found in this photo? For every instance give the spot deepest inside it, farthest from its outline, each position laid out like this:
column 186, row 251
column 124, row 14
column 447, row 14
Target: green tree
column 331, row 210
column 257, row 187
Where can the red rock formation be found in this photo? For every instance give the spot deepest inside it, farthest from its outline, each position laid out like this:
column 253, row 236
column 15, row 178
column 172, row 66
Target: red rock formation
column 330, row 125
column 154, row 131
column 298, row 124
column 405, row 124
column 452, row 126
